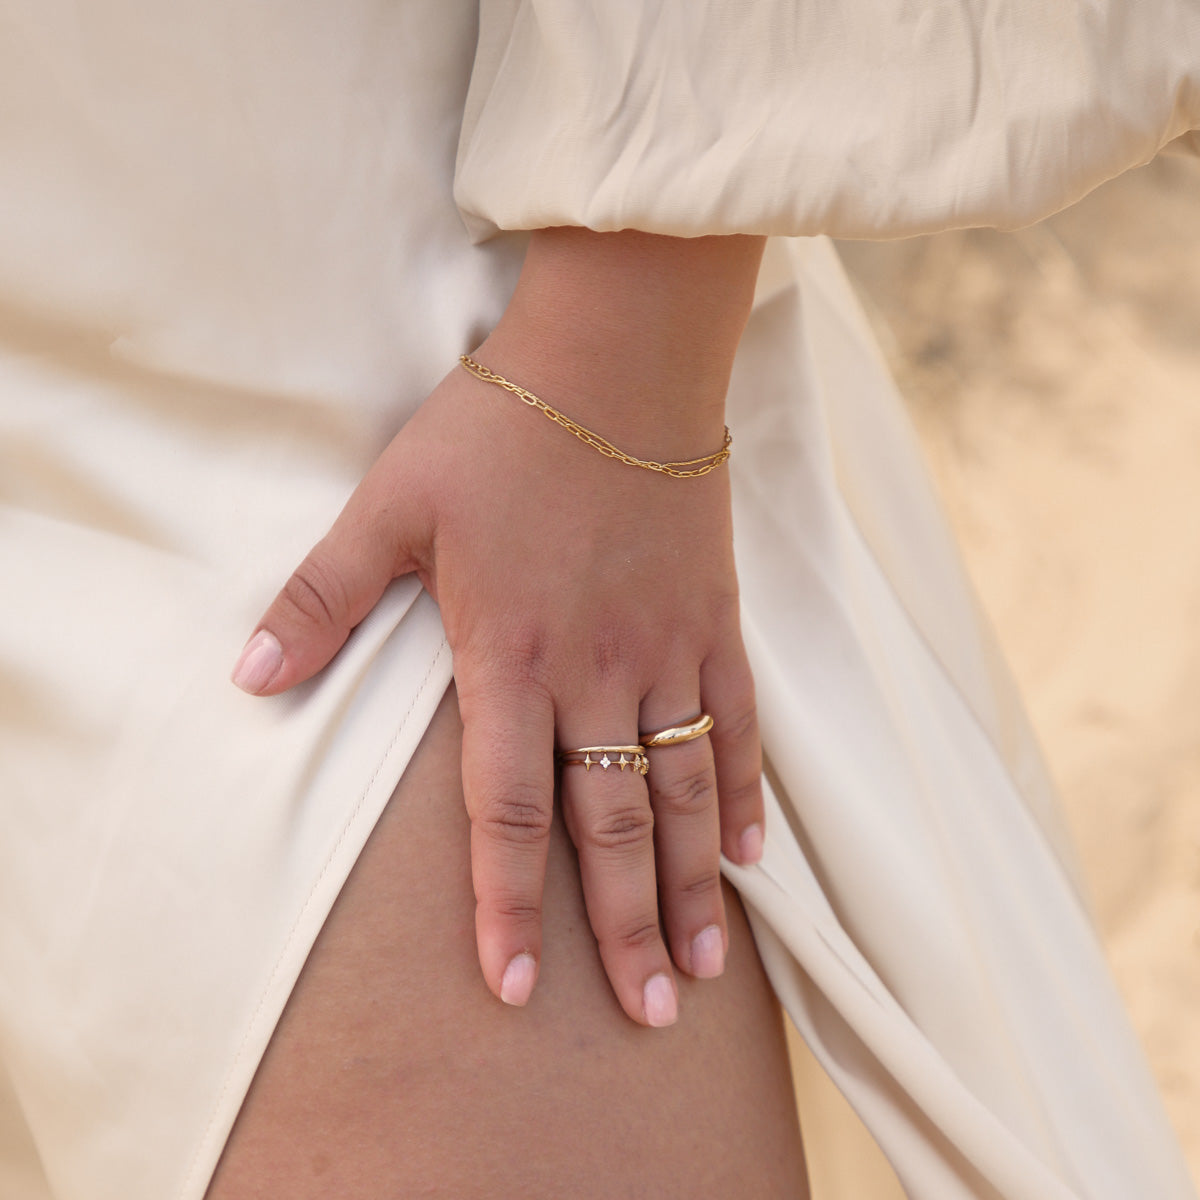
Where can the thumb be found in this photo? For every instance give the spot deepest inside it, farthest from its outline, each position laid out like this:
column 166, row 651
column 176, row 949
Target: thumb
column 330, row 592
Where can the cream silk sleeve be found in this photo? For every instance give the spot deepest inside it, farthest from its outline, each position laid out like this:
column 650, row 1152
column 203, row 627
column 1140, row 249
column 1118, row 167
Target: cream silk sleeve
column 857, row 120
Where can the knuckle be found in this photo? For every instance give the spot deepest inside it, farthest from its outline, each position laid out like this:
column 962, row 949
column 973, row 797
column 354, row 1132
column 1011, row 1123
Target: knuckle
column 636, row 935
column 743, row 795
column 742, row 720
column 315, row 590
column 621, row 828
column 612, row 651
column 521, row 815
column 688, row 794
column 524, row 653
column 725, row 608
column 516, row 909
column 702, row 885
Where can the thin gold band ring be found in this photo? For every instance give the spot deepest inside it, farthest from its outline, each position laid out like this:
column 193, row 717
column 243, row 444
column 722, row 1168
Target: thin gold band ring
column 633, row 757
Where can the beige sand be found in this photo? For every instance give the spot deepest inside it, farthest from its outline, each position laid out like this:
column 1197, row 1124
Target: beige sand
column 1054, row 375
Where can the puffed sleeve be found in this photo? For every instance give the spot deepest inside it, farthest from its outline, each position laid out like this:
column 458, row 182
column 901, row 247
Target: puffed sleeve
column 859, row 119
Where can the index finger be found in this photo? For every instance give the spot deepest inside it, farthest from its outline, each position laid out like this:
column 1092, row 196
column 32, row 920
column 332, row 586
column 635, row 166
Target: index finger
column 508, row 783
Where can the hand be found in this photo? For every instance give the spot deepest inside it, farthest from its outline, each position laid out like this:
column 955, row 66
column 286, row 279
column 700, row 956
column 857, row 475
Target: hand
column 584, row 600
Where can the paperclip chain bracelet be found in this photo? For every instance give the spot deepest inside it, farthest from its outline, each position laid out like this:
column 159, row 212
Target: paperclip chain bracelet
column 688, row 469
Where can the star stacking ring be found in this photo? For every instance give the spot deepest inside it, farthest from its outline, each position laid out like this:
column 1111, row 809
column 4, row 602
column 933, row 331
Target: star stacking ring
column 678, row 733
column 633, row 757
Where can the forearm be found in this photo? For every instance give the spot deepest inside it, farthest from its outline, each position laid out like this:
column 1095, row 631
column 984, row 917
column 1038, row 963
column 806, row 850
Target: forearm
column 632, row 333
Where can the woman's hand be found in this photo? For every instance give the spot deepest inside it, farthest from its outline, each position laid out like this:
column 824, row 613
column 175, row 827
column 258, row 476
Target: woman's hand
column 585, row 601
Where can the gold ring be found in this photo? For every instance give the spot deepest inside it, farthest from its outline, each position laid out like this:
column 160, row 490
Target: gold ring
column 678, row 733
column 633, row 757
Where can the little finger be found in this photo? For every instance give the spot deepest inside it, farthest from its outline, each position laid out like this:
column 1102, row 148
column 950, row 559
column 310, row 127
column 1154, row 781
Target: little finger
column 727, row 692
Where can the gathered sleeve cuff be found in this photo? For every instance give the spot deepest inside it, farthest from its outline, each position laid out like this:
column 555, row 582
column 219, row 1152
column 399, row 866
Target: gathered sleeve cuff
column 868, row 120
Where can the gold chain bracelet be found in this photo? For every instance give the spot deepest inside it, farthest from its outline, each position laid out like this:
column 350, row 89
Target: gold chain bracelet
column 688, row 469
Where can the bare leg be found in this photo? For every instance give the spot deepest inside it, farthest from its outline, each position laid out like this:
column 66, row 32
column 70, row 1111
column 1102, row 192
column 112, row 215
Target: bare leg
column 395, row 1073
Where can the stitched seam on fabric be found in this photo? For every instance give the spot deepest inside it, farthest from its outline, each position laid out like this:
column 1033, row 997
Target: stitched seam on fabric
column 189, row 1174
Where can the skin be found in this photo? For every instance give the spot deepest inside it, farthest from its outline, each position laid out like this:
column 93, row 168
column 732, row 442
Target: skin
column 395, row 1073
column 584, row 600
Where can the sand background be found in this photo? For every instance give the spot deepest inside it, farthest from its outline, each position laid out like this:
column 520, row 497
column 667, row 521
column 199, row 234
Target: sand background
column 1054, row 377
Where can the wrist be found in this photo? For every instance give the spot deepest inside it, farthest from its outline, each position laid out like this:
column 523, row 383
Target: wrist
column 633, row 332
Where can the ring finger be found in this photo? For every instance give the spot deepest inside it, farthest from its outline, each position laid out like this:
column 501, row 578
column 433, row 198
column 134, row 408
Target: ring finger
column 683, row 794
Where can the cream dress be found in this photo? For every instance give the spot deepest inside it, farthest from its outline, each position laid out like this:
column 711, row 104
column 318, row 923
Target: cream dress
column 239, row 241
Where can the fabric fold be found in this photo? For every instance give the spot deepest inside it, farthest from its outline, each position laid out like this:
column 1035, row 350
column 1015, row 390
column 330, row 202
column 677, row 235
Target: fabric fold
column 693, row 117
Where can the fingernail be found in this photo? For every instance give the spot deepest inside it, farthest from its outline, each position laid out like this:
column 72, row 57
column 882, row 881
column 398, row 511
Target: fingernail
column 750, row 845
column 708, row 953
column 658, row 1001
column 517, row 985
column 259, row 663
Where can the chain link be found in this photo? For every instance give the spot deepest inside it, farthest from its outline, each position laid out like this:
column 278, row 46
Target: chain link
column 688, row 469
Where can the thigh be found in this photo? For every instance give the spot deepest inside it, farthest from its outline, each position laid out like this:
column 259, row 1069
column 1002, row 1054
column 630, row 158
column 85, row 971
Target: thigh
column 394, row 1072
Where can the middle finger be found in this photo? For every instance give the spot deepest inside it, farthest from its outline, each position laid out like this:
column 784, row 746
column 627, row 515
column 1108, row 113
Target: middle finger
column 608, row 815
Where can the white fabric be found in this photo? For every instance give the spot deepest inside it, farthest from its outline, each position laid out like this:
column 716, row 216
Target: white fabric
column 868, row 119
column 230, row 265
column 923, row 889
